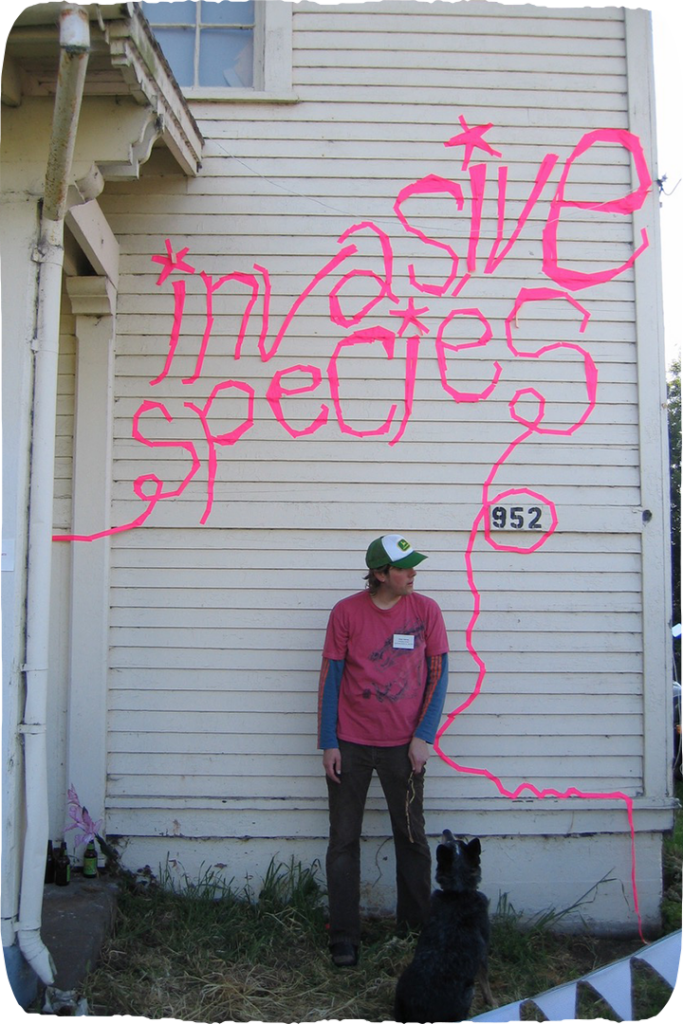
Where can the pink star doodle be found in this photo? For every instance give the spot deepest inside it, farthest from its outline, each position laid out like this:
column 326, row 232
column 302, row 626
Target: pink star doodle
column 172, row 262
column 471, row 139
column 410, row 316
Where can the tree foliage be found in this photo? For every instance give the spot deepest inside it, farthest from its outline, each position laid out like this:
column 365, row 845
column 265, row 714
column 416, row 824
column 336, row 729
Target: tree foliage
column 673, row 388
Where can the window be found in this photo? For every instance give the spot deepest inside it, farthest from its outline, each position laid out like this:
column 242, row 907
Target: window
column 230, row 49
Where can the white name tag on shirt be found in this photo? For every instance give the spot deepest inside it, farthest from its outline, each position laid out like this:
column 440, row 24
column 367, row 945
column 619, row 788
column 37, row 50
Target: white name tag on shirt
column 404, row 641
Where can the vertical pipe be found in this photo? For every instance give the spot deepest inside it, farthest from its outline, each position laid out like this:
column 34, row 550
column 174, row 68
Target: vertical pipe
column 74, row 46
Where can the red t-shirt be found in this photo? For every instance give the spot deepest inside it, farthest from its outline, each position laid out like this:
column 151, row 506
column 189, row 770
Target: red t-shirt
column 385, row 655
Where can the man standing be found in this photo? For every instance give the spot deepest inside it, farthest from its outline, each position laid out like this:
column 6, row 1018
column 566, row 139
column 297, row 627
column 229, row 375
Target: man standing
column 382, row 688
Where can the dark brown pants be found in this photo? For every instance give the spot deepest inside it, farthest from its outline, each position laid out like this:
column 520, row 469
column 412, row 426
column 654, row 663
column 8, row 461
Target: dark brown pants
column 403, row 793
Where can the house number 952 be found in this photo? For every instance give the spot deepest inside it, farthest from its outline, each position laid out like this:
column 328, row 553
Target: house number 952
column 517, row 517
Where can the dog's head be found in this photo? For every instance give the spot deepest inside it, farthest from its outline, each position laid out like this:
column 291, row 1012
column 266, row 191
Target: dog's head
column 458, row 864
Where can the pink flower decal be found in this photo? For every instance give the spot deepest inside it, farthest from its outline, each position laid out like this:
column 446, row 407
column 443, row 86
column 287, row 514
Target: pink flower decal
column 81, row 820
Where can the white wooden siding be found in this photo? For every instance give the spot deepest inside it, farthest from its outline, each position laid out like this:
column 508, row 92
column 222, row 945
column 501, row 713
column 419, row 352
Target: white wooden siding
column 216, row 629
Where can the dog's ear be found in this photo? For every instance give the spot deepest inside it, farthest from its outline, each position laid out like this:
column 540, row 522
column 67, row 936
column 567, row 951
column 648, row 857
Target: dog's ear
column 474, row 848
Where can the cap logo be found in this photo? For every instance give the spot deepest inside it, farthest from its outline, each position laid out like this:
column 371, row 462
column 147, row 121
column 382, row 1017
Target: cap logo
column 404, row 545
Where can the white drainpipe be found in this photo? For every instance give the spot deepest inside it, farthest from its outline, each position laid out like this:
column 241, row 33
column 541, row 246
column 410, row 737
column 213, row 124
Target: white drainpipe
column 74, row 41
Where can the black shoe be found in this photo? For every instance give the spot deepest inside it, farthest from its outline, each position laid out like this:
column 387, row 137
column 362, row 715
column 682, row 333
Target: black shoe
column 344, row 954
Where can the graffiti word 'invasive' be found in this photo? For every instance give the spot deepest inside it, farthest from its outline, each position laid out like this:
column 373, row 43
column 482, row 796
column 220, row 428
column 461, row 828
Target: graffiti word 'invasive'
column 337, row 275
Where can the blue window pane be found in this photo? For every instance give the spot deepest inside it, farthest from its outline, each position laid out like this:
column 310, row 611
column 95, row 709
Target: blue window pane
column 226, row 59
column 170, row 14
column 178, row 47
column 228, row 12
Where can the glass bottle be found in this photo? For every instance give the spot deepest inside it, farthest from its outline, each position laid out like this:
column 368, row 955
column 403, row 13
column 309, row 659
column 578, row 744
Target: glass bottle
column 62, row 866
column 50, row 863
column 90, row 861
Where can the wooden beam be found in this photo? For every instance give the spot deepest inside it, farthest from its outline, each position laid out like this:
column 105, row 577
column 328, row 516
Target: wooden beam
column 91, row 230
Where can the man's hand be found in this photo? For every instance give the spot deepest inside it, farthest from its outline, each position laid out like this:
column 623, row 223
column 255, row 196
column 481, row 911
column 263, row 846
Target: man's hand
column 418, row 753
column 332, row 763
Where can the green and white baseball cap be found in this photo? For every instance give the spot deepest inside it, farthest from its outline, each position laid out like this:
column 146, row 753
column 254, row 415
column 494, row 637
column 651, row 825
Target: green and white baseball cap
column 392, row 549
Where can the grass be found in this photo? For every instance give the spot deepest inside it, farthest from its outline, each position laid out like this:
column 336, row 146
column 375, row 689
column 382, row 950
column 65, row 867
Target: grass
column 671, row 864
column 206, row 951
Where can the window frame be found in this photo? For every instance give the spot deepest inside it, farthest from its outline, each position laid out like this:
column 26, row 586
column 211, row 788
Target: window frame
column 272, row 61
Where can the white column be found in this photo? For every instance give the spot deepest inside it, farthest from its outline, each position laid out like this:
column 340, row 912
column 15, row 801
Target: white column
column 92, row 300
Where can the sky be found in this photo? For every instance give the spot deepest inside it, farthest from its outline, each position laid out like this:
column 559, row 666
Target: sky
column 668, row 41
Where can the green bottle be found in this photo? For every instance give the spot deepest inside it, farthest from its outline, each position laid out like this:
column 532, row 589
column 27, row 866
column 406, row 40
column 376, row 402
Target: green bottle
column 90, row 861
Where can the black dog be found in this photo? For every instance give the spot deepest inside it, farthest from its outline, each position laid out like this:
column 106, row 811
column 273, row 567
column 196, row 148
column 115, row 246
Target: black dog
column 452, row 950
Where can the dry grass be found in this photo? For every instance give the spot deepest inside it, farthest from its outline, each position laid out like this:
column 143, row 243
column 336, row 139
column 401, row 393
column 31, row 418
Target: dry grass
column 211, row 954
column 196, row 958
